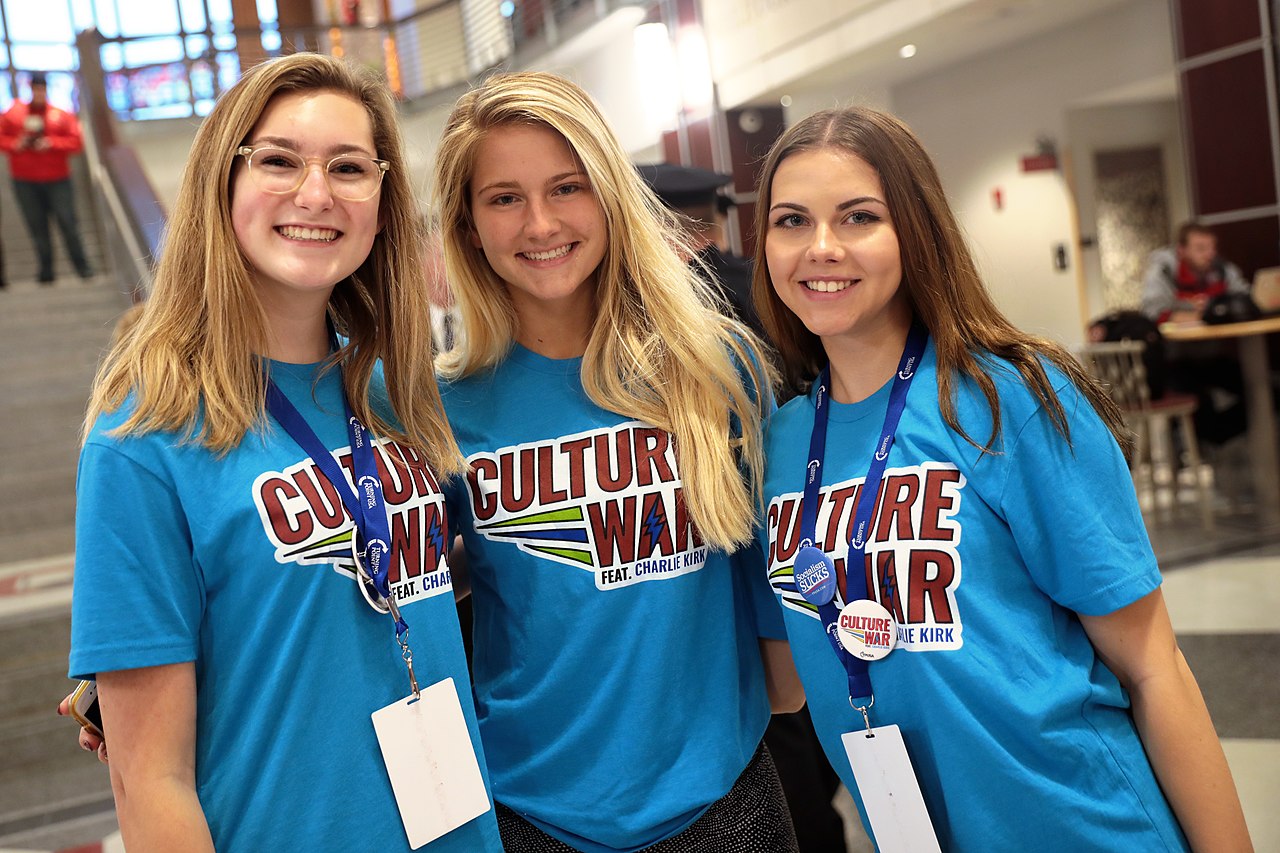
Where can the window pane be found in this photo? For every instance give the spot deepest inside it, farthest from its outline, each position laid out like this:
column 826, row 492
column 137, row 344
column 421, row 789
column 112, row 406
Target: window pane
column 118, row 92
column 157, row 89
column 197, row 46
column 112, row 57
column 202, row 79
column 81, row 15
column 151, row 51
column 158, row 17
column 228, row 70
column 108, row 23
column 42, row 22
column 267, row 12
column 270, row 41
column 192, row 15
column 44, row 56
column 220, row 15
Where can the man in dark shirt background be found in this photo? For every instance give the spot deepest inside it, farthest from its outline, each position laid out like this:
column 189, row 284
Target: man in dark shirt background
column 693, row 193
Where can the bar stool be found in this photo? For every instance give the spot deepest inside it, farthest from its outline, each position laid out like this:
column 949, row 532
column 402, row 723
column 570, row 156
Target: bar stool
column 1118, row 366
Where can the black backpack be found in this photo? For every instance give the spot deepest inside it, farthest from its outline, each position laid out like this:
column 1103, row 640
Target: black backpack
column 1136, row 326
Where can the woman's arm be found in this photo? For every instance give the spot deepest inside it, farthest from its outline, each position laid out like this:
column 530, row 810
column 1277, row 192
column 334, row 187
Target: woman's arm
column 1137, row 643
column 786, row 693
column 459, row 570
column 151, row 714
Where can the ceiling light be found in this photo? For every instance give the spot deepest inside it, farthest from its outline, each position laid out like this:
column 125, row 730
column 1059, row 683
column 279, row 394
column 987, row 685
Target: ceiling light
column 907, row 51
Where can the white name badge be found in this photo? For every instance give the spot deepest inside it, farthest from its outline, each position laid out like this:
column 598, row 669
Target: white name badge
column 432, row 763
column 890, row 792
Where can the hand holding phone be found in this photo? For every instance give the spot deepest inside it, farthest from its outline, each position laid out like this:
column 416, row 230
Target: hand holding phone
column 83, row 707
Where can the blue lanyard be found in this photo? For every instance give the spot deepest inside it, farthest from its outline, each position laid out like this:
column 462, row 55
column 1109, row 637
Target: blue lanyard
column 822, row 595
column 367, row 507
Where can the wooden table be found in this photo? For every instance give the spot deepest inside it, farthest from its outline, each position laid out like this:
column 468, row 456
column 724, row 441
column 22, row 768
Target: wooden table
column 1263, row 452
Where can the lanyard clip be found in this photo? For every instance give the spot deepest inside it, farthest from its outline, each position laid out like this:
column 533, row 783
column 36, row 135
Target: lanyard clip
column 863, row 709
column 407, row 654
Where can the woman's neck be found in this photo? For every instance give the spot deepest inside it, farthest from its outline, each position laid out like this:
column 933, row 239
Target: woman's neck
column 861, row 365
column 299, row 335
column 554, row 331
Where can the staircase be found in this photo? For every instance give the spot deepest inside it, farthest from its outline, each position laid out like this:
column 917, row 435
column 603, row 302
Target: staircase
column 52, row 794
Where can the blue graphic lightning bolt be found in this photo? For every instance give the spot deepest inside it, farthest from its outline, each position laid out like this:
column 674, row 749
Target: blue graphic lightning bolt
column 435, row 535
column 653, row 525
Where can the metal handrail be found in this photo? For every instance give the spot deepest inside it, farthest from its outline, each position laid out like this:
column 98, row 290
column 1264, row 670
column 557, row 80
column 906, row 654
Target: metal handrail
column 131, row 212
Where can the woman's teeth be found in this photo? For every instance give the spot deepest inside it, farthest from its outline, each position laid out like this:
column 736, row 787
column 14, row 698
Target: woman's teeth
column 828, row 286
column 293, row 232
column 549, row 255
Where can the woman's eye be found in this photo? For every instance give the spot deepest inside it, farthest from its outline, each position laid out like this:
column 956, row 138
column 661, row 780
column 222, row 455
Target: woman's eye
column 566, row 189
column 862, row 217
column 503, row 200
column 789, row 220
column 349, row 168
column 278, row 161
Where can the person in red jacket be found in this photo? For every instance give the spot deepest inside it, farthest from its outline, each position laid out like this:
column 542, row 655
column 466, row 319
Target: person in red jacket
column 40, row 139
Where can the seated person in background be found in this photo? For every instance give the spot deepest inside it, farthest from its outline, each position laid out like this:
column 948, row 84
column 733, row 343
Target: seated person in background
column 1180, row 280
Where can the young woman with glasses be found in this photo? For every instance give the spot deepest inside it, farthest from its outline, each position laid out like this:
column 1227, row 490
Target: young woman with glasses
column 260, row 465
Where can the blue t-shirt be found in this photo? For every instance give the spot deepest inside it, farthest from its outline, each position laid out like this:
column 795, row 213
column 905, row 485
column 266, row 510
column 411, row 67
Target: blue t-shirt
column 242, row 563
column 617, row 669
column 1020, row 737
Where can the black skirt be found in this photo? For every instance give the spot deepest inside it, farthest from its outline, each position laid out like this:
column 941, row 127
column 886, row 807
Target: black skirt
column 751, row 818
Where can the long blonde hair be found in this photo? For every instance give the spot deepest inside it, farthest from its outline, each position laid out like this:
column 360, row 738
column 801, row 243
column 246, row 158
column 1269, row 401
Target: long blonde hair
column 940, row 279
column 660, row 349
column 193, row 361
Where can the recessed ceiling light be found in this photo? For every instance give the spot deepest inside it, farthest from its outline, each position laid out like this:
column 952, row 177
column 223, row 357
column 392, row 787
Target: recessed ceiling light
column 907, row 51
column 785, row 100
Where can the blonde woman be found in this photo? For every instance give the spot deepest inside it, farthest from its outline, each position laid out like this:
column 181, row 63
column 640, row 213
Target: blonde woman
column 222, row 592
column 953, row 534
column 611, row 419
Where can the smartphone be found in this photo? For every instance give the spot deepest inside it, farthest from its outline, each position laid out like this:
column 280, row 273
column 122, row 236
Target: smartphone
column 84, row 707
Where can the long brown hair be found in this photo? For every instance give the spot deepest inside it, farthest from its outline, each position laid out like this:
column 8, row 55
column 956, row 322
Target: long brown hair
column 940, row 279
column 193, row 362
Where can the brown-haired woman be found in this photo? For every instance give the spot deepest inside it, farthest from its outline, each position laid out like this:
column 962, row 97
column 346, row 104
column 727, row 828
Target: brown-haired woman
column 994, row 596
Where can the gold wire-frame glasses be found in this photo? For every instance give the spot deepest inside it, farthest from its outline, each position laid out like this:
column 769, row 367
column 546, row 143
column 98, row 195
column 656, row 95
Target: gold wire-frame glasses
column 279, row 171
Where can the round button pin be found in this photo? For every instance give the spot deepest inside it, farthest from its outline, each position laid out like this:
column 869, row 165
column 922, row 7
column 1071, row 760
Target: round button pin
column 866, row 630
column 815, row 576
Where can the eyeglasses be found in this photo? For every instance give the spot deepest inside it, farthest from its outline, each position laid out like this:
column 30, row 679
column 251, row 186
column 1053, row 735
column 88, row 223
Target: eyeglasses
column 280, row 171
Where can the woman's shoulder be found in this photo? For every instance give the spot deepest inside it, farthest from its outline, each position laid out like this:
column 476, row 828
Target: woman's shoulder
column 1019, row 400
column 1011, row 381
column 143, row 451
column 795, row 414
